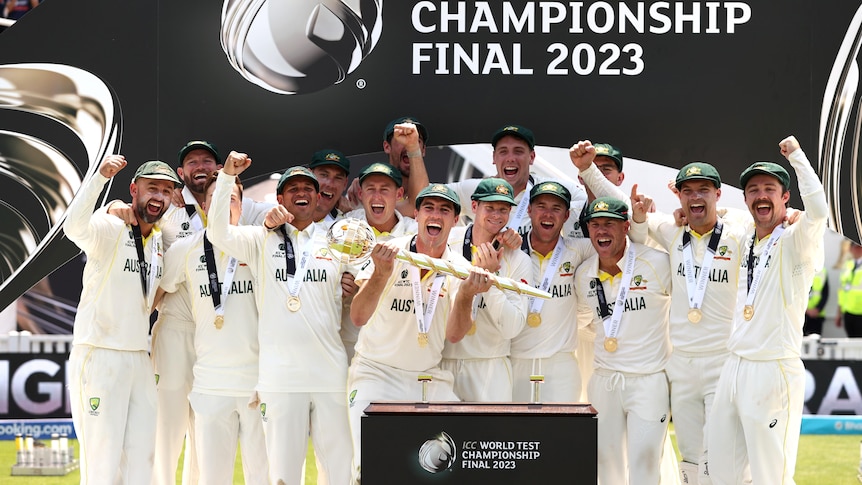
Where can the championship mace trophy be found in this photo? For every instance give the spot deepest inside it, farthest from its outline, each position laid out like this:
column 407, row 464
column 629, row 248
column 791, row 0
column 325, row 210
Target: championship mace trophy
column 351, row 241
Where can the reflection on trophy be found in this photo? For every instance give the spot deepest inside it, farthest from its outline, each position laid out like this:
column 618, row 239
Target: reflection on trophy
column 351, row 241
column 841, row 136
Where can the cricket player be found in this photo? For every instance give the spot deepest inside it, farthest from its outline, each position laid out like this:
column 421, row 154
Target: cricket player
column 546, row 346
column 225, row 350
column 705, row 255
column 332, row 170
column 479, row 360
column 406, row 313
column 757, row 411
column 112, row 391
column 380, row 189
column 299, row 292
column 627, row 286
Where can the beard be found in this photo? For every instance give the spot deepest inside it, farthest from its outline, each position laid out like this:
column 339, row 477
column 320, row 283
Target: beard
column 143, row 215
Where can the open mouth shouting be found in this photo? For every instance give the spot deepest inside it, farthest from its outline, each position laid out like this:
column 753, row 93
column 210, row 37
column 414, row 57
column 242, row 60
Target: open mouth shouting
column 604, row 242
column 378, row 209
column 697, row 209
column 433, row 228
column 763, row 208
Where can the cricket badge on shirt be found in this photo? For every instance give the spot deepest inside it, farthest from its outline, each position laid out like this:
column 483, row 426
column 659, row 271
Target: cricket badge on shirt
column 263, row 412
column 351, row 398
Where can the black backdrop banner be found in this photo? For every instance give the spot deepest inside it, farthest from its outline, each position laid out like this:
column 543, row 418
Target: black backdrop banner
column 669, row 82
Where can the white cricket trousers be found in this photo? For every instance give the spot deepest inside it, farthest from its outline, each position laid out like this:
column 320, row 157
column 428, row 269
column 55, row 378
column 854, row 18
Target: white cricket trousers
column 113, row 400
column 174, row 361
column 562, row 378
column 755, row 421
column 693, row 379
column 286, row 419
column 481, row 380
column 633, row 415
column 221, row 422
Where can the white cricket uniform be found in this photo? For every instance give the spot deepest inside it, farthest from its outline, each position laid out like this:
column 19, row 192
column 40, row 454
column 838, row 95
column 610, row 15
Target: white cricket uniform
column 388, row 358
column 629, row 387
column 173, row 350
column 699, row 349
column 465, row 189
column 405, row 226
column 759, row 399
column 112, row 392
column 549, row 349
column 480, row 361
column 225, row 364
column 303, row 368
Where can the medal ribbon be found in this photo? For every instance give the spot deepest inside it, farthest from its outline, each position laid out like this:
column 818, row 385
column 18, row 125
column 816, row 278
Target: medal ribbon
column 151, row 268
column 192, row 210
column 423, row 318
column 212, row 271
column 755, row 274
column 697, row 289
column 515, row 219
column 536, row 303
column 295, row 283
column 612, row 324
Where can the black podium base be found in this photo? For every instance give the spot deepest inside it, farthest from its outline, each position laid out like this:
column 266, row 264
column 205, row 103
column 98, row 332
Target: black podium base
column 470, row 443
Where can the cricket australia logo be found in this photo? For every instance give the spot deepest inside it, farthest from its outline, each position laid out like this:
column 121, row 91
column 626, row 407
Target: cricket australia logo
column 637, row 280
column 94, row 406
column 351, row 398
column 263, row 412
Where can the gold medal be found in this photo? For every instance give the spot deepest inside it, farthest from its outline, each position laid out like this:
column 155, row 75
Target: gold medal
column 694, row 315
column 472, row 330
column 748, row 312
column 611, row 344
column 423, row 339
column 293, row 304
column 219, row 321
column 534, row 319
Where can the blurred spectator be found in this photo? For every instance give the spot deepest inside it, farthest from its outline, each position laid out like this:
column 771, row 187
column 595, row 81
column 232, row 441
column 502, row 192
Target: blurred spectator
column 850, row 293
column 15, row 9
column 818, row 296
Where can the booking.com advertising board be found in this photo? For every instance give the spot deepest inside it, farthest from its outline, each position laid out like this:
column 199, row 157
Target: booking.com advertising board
column 668, row 82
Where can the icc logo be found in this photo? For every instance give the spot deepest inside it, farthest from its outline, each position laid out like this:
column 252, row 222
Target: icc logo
column 299, row 46
column 438, row 453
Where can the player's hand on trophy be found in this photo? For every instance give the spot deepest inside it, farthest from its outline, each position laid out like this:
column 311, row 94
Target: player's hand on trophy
column 408, row 135
column 277, row 216
column 111, row 165
column 478, row 281
column 640, row 205
column 788, row 146
column 348, row 287
column 236, row 163
column 487, row 257
column 582, row 154
column 383, row 256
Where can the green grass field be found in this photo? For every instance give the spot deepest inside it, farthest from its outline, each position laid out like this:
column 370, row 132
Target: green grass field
column 831, row 459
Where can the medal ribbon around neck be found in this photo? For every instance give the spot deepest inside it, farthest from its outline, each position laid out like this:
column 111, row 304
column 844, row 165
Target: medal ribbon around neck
column 756, row 274
column 152, row 268
column 192, row 210
column 423, row 318
column 215, row 288
column 612, row 324
column 521, row 210
column 536, row 303
column 697, row 289
column 294, row 282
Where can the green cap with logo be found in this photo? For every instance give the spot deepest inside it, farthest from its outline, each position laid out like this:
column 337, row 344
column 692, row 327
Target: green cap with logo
column 610, row 151
column 698, row 171
column 197, row 145
column 157, row 170
column 607, row 207
column 494, row 189
column 381, row 169
column 552, row 188
column 330, row 156
column 441, row 191
column 390, row 128
column 294, row 172
column 517, row 131
column 766, row 168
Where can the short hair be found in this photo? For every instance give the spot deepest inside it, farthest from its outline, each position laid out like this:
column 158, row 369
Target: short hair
column 212, row 179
